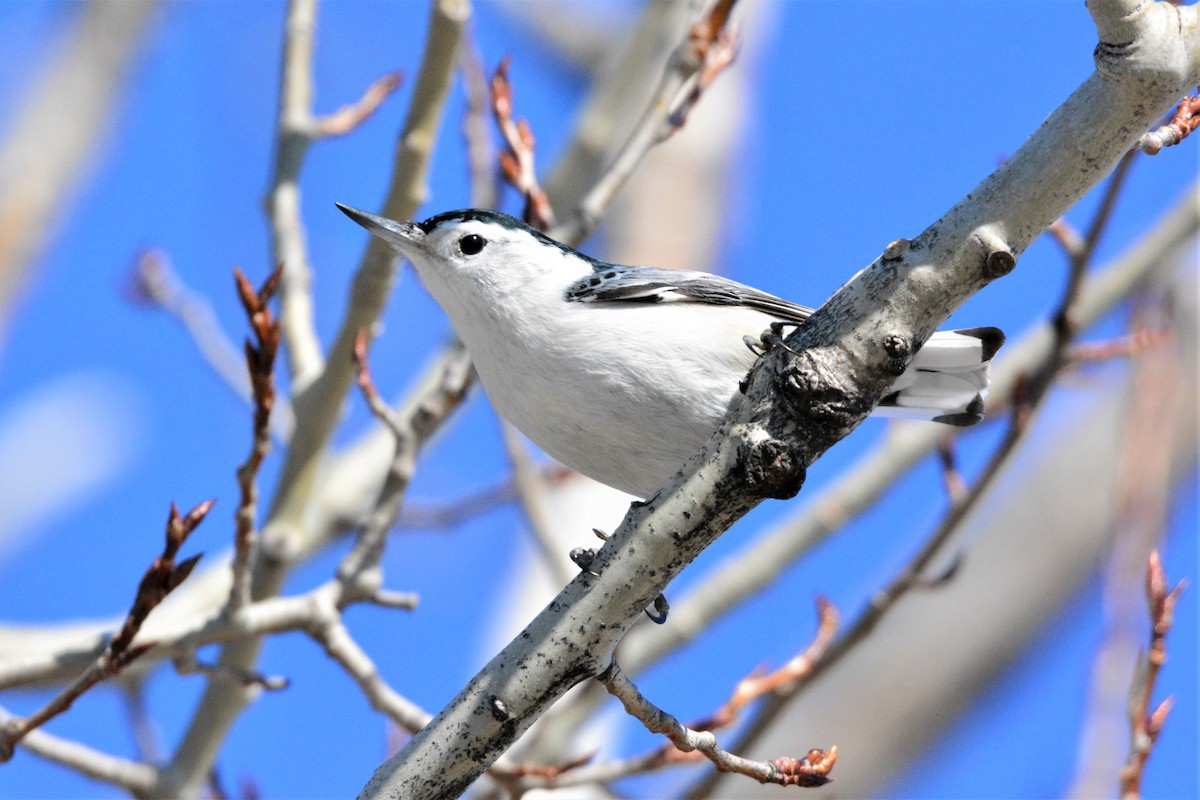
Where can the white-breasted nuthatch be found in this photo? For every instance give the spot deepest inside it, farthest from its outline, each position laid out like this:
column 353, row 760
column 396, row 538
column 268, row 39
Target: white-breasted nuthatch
column 622, row 373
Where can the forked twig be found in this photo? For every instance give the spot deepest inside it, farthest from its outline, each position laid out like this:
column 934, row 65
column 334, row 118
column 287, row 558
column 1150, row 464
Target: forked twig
column 812, row 770
column 706, row 51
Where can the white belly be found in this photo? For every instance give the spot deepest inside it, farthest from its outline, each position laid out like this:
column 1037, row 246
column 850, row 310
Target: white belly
column 623, row 394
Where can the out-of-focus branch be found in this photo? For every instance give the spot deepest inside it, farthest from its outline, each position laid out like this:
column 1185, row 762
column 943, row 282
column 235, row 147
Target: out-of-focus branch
column 260, row 366
column 531, row 490
column 481, row 158
column 296, row 130
column 153, row 281
column 318, row 406
column 1185, row 120
column 1142, row 494
column 1145, row 725
column 449, row 513
column 695, row 63
column 812, row 770
column 136, row 778
column 59, row 126
column 161, row 578
column 364, row 558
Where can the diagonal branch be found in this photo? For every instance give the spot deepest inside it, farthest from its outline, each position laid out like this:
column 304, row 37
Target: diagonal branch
column 704, row 53
column 1145, row 725
column 161, row 578
column 770, row 438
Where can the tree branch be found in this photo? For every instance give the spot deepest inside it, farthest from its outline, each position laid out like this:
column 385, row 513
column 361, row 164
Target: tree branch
column 318, row 406
column 797, row 406
column 161, row 578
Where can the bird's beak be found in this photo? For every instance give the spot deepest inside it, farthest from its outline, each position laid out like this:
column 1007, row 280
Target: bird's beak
column 406, row 237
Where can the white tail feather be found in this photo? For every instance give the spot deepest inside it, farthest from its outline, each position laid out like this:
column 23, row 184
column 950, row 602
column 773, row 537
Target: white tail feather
column 947, row 380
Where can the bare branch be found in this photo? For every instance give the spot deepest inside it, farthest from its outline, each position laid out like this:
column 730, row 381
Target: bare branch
column 161, row 578
column 153, row 281
column 481, row 160
column 812, row 770
column 260, row 364
column 1144, row 724
column 56, row 130
column 350, row 116
column 293, row 135
column 582, row 771
column 531, row 490
column 454, row 512
column 368, row 551
column 136, row 778
column 517, row 161
column 706, row 50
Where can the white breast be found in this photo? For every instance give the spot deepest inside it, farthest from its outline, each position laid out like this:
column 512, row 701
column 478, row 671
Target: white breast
column 623, row 393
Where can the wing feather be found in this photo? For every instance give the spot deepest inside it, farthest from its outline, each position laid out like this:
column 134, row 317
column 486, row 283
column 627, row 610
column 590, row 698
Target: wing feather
column 613, row 284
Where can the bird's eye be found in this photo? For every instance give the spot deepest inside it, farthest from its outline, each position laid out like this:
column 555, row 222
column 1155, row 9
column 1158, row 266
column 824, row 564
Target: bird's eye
column 471, row 244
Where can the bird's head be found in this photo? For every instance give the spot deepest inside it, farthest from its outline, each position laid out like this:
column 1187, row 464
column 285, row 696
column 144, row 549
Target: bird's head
column 476, row 254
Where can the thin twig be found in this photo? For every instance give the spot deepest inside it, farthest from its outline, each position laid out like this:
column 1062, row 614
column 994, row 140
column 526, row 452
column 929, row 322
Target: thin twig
column 1080, row 257
column 1146, row 725
column 449, row 514
column 350, row 116
column 812, row 770
column 704, row 53
column 260, row 364
column 1185, row 120
column 161, row 578
column 956, row 485
column 752, row 687
column 1131, row 344
column 517, row 162
column 154, row 282
column 368, row 550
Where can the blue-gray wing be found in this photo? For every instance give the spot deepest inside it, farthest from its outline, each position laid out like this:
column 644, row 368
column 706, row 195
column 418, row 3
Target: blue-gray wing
column 616, row 284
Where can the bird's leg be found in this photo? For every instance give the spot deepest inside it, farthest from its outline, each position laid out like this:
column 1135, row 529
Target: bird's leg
column 770, row 339
column 661, row 607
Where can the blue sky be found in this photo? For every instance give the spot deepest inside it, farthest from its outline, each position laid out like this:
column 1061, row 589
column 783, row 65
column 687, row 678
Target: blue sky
column 852, row 101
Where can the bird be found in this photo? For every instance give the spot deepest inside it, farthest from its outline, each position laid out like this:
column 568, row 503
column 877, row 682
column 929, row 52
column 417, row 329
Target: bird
column 622, row 373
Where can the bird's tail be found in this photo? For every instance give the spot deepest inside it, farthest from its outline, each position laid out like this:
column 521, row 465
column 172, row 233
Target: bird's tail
column 947, row 380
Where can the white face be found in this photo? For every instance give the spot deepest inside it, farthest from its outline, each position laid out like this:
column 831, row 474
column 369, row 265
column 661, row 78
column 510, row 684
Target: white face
column 483, row 259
